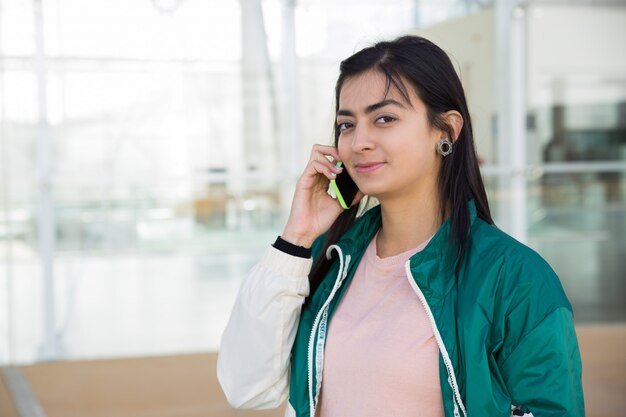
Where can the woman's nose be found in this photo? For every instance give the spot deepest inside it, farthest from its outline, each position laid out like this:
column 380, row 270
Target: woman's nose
column 362, row 139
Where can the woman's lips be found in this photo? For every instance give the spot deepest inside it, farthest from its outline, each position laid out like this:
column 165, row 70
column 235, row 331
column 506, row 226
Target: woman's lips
column 364, row 168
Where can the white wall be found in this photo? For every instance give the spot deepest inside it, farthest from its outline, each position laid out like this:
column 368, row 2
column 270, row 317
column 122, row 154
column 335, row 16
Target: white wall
column 470, row 43
column 575, row 55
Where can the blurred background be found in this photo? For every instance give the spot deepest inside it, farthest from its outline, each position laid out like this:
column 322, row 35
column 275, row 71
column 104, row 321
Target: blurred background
column 149, row 150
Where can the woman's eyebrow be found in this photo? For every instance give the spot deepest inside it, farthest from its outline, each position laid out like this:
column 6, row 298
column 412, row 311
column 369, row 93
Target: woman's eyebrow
column 371, row 107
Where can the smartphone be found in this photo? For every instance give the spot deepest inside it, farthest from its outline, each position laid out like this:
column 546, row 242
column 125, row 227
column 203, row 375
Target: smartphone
column 344, row 187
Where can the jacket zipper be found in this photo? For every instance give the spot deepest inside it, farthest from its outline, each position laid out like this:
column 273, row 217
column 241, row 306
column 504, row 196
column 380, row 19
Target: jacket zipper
column 456, row 396
column 323, row 315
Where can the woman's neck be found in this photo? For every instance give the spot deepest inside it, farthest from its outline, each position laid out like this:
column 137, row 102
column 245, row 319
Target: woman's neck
column 406, row 223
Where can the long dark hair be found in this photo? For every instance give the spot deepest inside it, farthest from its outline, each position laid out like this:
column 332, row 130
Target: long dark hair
column 430, row 72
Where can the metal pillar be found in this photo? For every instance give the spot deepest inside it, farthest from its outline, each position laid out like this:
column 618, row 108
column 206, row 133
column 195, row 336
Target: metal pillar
column 6, row 208
column 511, row 103
column 50, row 348
column 417, row 13
column 289, row 104
column 259, row 103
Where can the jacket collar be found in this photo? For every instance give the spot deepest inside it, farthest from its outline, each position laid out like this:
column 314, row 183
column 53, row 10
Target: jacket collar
column 439, row 257
column 356, row 239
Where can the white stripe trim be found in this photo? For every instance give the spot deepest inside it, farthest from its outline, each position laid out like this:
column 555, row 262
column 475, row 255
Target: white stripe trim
column 442, row 347
column 343, row 269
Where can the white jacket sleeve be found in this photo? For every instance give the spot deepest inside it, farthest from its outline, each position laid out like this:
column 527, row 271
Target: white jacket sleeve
column 254, row 357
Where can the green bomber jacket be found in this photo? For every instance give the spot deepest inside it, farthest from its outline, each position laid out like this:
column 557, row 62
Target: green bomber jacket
column 502, row 321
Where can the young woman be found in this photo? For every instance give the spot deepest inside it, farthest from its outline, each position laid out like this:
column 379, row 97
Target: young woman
column 419, row 306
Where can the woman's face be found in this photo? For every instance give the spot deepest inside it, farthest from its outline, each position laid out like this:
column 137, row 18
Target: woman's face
column 387, row 145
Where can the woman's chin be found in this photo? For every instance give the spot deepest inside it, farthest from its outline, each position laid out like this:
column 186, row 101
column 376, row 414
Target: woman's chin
column 375, row 192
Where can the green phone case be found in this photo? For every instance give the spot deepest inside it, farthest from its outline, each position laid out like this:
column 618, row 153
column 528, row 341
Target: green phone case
column 337, row 192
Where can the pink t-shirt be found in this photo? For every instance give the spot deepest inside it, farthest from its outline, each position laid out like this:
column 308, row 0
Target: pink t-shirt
column 381, row 357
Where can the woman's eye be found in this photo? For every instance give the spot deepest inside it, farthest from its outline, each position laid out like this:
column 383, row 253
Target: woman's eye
column 385, row 119
column 343, row 126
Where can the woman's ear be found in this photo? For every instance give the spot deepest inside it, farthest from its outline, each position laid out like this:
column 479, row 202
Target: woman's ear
column 454, row 119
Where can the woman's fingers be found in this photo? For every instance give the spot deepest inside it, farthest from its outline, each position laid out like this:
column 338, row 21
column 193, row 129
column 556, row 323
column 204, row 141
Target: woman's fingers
column 324, row 151
column 312, row 210
column 328, row 170
column 321, row 163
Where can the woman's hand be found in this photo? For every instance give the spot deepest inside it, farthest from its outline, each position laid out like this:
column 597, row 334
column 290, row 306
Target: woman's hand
column 313, row 211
